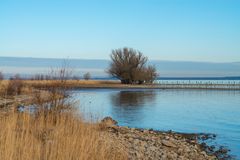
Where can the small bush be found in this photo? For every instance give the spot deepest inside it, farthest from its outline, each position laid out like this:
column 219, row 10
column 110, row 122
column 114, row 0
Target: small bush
column 15, row 85
column 2, row 87
column 87, row 76
column 1, row 76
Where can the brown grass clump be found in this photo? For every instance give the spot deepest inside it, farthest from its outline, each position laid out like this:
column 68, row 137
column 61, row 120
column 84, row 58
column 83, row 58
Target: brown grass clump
column 54, row 136
column 69, row 83
column 14, row 87
column 2, row 88
column 11, row 87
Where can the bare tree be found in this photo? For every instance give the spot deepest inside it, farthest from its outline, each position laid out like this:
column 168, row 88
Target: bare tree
column 1, row 76
column 87, row 76
column 57, row 90
column 129, row 66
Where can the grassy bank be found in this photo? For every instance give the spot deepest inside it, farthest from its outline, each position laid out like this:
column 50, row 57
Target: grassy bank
column 50, row 136
column 50, row 133
column 115, row 84
column 78, row 84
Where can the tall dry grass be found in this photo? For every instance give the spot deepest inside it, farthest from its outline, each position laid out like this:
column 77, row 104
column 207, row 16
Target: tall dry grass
column 69, row 83
column 54, row 133
column 54, row 137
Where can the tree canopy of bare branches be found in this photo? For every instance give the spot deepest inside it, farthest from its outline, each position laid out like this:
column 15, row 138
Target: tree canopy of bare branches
column 87, row 76
column 129, row 66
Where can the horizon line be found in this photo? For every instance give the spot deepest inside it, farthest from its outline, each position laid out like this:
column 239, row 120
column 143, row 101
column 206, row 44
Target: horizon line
column 68, row 58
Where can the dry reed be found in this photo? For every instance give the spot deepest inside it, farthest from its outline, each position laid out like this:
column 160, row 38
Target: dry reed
column 54, row 136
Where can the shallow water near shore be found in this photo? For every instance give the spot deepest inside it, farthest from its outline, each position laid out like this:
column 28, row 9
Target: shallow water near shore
column 188, row 111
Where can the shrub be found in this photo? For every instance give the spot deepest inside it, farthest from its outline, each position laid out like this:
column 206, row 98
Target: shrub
column 87, row 76
column 15, row 85
column 1, row 76
column 2, row 87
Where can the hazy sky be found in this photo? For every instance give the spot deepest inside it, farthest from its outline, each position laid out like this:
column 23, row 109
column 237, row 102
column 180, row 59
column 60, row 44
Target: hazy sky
column 204, row 30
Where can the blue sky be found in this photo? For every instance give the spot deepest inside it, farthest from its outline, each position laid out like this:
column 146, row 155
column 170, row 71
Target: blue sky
column 189, row 30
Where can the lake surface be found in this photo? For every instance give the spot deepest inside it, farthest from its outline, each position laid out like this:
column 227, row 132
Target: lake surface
column 190, row 111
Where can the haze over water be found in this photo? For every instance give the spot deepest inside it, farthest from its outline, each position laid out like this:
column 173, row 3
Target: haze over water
column 30, row 66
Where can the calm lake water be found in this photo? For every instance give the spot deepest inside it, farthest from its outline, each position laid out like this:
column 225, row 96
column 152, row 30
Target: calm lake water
column 191, row 111
column 197, row 82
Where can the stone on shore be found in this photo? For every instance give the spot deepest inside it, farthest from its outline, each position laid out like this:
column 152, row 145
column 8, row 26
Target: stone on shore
column 109, row 121
column 154, row 145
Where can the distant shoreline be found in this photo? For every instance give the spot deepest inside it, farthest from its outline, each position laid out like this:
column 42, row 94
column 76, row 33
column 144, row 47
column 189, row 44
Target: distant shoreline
column 113, row 84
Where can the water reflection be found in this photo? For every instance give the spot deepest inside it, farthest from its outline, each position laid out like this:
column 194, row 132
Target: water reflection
column 132, row 98
column 130, row 106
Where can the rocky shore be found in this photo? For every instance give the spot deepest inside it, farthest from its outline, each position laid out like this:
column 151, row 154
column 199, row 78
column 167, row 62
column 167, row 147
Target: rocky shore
column 143, row 144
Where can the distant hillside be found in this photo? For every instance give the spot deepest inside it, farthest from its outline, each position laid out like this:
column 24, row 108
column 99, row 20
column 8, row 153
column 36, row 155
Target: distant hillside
column 29, row 66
